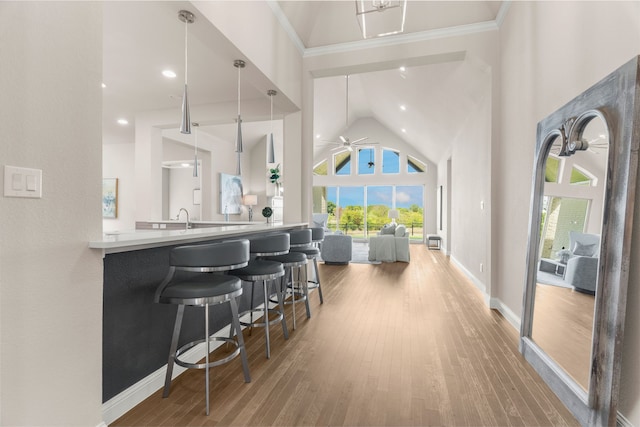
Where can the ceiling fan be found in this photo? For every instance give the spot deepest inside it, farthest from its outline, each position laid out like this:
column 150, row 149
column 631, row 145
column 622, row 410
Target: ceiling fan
column 345, row 141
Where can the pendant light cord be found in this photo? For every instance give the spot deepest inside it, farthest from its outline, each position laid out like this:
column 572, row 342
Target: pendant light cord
column 346, row 107
column 271, row 96
column 186, row 47
column 238, row 91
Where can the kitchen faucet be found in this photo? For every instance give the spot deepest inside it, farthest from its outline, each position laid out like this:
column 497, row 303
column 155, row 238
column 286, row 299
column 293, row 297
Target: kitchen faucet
column 178, row 217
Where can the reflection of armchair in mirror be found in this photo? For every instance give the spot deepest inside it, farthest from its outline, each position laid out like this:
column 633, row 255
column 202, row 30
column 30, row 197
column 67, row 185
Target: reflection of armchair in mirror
column 579, row 242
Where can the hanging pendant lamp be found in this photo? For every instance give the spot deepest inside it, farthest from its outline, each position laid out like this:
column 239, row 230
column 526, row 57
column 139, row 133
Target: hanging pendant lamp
column 271, row 154
column 195, row 160
column 188, row 18
column 239, row 64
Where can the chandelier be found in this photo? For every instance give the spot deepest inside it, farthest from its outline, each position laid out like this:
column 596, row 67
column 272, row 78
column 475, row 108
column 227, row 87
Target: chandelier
column 378, row 18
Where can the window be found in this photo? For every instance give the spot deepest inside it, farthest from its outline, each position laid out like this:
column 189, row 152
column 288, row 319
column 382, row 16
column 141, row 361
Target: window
column 415, row 166
column 350, row 210
column 379, row 201
column 347, row 206
column 560, row 215
column 321, row 168
column 579, row 177
column 366, row 161
column 342, row 162
column 410, row 205
column 390, row 161
column 552, row 169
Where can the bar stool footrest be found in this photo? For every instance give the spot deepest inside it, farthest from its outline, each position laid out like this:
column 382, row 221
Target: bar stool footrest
column 212, row 363
column 297, row 295
column 274, row 321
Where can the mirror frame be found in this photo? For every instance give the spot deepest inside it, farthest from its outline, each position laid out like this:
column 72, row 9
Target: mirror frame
column 615, row 99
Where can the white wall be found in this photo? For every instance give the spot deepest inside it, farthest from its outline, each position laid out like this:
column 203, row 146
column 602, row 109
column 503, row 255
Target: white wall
column 551, row 52
column 50, row 281
column 118, row 162
column 470, row 226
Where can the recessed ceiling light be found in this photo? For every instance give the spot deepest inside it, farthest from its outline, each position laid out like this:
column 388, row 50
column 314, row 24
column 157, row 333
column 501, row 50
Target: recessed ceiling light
column 123, row 121
column 403, row 130
column 318, row 136
column 403, row 107
column 403, row 69
column 103, row 85
column 169, row 74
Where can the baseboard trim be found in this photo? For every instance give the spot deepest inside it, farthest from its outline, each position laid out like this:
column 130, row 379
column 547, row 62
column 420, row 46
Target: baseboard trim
column 506, row 312
column 622, row 421
column 123, row 402
column 493, row 303
column 477, row 282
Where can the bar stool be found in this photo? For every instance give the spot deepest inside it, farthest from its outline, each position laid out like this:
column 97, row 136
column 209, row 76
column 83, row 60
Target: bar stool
column 265, row 271
column 290, row 261
column 191, row 282
column 312, row 251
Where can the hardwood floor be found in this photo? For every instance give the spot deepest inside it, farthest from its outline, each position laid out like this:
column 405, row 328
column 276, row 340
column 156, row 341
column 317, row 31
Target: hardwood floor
column 393, row 345
column 563, row 327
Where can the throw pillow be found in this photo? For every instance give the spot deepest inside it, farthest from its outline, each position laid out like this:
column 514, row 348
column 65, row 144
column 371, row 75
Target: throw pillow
column 584, row 250
column 388, row 229
column 401, row 230
column 320, row 220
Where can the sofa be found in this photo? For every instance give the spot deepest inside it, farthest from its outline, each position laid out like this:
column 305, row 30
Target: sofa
column 581, row 271
column 391, row 244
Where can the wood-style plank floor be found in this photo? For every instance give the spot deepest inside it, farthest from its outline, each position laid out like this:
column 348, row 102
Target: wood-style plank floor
column 394, row 344
column 563, row 327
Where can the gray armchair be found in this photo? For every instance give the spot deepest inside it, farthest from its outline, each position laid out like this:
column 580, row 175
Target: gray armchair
column 581, row 273
column 582, row 267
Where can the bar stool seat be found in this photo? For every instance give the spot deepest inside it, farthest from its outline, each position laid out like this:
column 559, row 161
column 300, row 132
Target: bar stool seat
column 191, row 282
column 198, row 290
column 261, row 270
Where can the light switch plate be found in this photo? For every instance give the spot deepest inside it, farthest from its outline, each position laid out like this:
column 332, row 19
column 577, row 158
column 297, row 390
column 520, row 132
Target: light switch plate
column 22, row 182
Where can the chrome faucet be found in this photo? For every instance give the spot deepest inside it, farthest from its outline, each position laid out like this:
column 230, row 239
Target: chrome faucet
column 186, row 225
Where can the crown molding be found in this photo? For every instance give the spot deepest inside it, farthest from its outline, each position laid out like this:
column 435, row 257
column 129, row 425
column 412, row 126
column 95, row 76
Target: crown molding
column 286, row 25
column 402, row 39
column 461, row 30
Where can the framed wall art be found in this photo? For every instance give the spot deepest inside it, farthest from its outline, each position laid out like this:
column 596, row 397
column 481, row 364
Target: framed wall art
column 230, row 194
column 110, row 198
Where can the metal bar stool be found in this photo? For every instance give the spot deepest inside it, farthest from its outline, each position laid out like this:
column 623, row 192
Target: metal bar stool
column 191, row 282
column 290, row 261
column 312, row 251
column 265, row 271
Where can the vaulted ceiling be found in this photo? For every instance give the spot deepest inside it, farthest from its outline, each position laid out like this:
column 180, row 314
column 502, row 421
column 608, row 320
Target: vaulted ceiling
column 143, row 38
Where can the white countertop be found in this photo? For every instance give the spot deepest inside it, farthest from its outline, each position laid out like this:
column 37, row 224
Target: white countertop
column 123, row 241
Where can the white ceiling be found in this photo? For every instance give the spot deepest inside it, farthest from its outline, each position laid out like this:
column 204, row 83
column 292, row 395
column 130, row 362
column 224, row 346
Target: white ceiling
column 143, row 38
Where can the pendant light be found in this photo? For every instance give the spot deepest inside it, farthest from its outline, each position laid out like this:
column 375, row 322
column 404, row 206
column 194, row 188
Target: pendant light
column 188, row 18
column 271, row 154
column 239, row 64
column 195, row 160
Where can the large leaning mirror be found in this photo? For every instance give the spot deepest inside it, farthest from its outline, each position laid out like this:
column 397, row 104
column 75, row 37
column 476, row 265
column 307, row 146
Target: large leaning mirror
column 579, row 242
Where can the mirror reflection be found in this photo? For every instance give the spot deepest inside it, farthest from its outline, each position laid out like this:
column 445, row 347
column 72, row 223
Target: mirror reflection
column 568, row 257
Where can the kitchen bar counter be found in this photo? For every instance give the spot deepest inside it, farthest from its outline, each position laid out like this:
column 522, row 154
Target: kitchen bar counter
column 136, row 331
column 145, row 239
